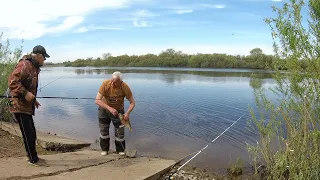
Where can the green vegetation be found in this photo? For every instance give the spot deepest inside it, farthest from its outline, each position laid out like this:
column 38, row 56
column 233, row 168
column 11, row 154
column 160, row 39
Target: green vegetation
column 289, row 145
column 8, row 59
column 171, row 58
column 51, row 64
column 236, row 169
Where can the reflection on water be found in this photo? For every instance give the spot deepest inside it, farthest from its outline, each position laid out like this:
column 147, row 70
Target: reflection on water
column 193, row 71
column 178, row 111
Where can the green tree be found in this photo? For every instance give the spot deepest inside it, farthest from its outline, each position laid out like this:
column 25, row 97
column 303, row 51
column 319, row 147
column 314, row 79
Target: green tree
column 8, row 59
column 289, row 145
column 256, row 51
column 105, row 56
column 173, row 58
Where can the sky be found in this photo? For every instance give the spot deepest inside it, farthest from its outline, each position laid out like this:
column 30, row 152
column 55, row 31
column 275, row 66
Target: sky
column 72, row 29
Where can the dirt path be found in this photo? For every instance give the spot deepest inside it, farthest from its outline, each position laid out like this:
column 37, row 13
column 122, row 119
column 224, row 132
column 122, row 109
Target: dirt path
column 12, row 146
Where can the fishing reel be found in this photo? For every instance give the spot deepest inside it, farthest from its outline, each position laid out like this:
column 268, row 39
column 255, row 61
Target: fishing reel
column 9, row 102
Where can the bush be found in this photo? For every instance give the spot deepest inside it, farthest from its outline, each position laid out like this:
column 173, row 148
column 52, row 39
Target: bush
column 8, row 59
column 289, row 146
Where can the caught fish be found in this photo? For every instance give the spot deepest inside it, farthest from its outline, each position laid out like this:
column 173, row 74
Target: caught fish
column 124, row 122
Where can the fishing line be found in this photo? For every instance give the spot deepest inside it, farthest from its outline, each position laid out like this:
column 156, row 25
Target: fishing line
column 50, row 82
column 75, row 98
column 170, row 176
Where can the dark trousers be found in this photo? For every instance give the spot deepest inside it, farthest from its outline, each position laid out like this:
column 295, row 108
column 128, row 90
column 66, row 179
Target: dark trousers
column 105, row 118
column 29, row 135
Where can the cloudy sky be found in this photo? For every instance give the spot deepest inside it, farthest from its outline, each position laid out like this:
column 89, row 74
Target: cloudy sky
column 72, row 29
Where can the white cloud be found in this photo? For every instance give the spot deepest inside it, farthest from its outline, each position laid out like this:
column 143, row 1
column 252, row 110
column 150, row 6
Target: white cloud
column 217, row 6
column 137, row 23
column 144, row 13
column 67, row 24
column 184, row 11
column 30, row 18
column 92, row 28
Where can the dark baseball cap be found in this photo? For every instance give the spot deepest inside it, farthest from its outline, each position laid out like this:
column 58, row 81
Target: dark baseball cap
column 40, row 50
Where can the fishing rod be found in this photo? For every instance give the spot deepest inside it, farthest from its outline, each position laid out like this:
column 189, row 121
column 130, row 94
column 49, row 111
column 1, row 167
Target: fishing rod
column 52, row 97
column 62, row 98
column 174, row 172
column 8, row 96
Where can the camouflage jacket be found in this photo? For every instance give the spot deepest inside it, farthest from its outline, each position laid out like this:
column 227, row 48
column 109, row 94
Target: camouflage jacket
column 24, row 78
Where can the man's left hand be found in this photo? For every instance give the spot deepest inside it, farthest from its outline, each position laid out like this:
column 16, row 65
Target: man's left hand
column 126, row 116
column 37, row 104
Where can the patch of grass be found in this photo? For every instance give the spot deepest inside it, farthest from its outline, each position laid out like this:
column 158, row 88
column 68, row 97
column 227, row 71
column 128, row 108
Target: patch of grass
column 236, row 169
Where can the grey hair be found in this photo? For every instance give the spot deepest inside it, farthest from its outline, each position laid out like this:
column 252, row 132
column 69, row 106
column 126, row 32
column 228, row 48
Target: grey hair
column 117, row 75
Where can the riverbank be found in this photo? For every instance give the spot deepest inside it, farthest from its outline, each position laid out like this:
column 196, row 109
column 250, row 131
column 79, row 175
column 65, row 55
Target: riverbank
column 12, row 146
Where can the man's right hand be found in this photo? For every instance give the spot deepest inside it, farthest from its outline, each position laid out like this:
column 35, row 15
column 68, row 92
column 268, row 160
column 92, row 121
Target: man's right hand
column 29, row 97
column 113, row 111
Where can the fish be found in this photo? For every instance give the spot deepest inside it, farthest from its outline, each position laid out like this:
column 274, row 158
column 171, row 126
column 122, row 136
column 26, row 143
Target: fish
column 124, row 122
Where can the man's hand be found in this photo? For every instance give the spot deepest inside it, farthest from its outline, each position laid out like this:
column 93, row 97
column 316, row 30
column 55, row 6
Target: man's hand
column 29, row 96
column 126, row 116
column 37, row 104
column 113, row 111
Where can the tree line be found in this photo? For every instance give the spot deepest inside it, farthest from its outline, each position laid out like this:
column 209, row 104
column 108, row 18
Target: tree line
column 172, row 58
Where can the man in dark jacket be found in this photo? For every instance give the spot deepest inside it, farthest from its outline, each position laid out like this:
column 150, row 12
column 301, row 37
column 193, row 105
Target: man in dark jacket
column 23, row 84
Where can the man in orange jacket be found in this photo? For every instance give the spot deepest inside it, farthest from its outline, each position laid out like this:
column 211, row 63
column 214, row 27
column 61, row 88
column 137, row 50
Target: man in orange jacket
column 110, row 100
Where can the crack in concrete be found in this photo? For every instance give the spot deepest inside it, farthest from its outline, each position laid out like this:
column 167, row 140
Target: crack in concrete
column 59, row 172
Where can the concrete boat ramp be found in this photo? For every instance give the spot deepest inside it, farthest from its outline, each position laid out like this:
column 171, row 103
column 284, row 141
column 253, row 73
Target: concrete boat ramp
column 86, row 164
column 83, row 163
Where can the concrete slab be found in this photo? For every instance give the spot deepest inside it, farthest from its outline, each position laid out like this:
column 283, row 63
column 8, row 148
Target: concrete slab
column 141, row 168
column 48, row 141
column 86, row 165
column 18, row 168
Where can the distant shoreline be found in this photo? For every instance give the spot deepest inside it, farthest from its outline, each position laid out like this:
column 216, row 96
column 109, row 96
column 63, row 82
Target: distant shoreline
column 172, row 58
